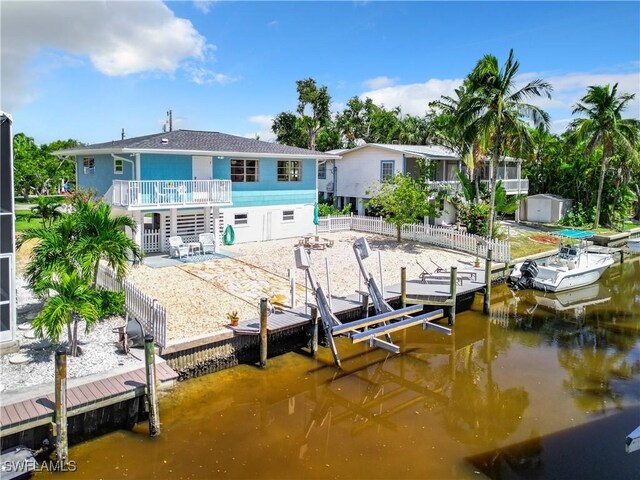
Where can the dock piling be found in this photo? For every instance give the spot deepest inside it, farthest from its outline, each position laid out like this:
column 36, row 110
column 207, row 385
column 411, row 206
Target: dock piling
column 62, row 447
column 403, row 286
column 263, row 332
column 453, row 288
column 314, row 331
column 152, row 397
column 486, row 304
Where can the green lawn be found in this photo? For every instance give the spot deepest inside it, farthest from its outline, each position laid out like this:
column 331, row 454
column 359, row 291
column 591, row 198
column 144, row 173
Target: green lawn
column 22, row 222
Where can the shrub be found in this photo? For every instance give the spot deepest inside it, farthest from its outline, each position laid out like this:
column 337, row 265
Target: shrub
column 579, row 216
column 111, row 303
column 326, row 209
column 475, row 216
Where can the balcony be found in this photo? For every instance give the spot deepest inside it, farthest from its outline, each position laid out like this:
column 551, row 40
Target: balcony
column 139, row 194
column 512, row 186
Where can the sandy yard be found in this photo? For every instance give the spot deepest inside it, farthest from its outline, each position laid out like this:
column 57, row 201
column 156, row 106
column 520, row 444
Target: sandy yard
column 199, row 295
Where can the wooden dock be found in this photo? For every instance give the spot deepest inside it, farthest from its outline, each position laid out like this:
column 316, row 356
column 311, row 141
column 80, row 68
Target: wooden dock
column 436, row 292
column 34, row 407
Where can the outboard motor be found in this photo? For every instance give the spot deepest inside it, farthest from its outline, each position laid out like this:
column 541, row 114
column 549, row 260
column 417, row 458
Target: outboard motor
column 528, row 271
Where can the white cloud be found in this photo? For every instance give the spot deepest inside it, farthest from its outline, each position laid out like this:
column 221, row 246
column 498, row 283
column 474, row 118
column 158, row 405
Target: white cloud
column 204, row 5
column 567, row 90
column 413, row 98
column 204, row 76
column 379, row 82
column 264, row 132
column 118, row 38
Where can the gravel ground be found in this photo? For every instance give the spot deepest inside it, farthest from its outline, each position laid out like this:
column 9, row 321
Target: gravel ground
column 198, row 296
column 99, row 352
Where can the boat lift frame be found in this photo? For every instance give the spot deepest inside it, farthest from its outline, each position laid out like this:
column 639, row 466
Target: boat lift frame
column 359, row 330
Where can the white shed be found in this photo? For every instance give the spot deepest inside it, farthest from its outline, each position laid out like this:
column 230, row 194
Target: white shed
column 544, row 208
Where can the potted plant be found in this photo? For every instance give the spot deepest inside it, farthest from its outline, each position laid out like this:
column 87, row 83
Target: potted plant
column 233, row 318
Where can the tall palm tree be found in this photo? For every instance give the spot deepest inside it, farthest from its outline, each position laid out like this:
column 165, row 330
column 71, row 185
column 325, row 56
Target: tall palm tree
column 603, row 126
column 496, row 109
column 101, row 236
column 73, row 298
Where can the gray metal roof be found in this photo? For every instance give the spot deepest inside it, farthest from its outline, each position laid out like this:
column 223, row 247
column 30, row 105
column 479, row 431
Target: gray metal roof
column 196, row 141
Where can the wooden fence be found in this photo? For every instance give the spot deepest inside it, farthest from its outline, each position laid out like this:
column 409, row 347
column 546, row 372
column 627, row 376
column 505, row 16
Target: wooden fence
column 441, row 236
column 151, row 314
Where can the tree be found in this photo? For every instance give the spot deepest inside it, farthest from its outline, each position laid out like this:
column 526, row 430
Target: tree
column 46, row 209
column 66, row 260
column 102, row 237
column 73, row 298
column 402, row 200
column 36, row 169
column 312, row 117
column 604, row 126
column 496, row 110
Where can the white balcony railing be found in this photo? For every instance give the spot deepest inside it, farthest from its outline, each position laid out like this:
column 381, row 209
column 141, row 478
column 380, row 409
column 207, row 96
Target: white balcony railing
column 512, row 186
column 143, row 193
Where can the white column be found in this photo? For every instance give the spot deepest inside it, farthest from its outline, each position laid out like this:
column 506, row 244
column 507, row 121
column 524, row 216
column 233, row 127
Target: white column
column 519, row 178
column 139, row 218
column 216, row 227
column 207, row 219
column 173, row 222
column 360, row 206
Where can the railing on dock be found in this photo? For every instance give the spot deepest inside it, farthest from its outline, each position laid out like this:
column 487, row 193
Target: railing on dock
column 440, row 236
column 151, row 314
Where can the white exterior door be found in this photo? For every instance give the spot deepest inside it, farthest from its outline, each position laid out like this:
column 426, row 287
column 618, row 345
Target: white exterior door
column 201, row 168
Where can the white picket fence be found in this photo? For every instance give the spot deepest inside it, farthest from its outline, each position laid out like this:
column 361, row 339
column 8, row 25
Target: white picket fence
column 151, row 241
column 151, row 314
column 440, row 236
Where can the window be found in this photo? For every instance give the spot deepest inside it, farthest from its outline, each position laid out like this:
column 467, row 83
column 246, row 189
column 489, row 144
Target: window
column 289, row 170
column 386, row 169
column 240, row 219
column 322, row 171
column 89, row 164
column 287, row 215
column 244, row 170
column 118, row 166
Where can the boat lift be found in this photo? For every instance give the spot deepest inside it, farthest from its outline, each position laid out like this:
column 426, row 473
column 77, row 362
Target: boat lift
column 359, row 330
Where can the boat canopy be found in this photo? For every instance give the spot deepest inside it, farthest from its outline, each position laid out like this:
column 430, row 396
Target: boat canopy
column 570, row 233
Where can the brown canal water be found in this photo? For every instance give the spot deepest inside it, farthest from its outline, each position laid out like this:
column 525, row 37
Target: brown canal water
column 546, row 387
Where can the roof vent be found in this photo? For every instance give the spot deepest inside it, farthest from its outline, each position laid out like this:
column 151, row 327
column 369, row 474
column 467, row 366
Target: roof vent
column 165, row 141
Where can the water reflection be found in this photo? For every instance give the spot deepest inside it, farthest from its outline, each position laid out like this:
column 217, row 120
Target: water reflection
column 596, row 329
column 497, row 385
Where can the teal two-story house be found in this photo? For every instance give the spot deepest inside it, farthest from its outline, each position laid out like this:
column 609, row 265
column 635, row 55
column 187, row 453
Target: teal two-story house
column 185, row 182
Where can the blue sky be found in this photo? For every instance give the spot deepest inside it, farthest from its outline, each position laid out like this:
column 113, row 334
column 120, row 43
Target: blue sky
column 87, row 69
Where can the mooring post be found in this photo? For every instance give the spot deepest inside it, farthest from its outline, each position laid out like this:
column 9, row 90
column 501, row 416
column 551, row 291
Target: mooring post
column 403, row 286
column 453, row 288
column 152, row 397
column 486, row 304
column 263, row 333
column 62, row 447
column 292, row 286
column 314, row 331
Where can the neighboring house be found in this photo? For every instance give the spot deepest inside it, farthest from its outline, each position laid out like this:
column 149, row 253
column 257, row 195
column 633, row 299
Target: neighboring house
column 8, row 342
column 188, row 182
column 360, row 169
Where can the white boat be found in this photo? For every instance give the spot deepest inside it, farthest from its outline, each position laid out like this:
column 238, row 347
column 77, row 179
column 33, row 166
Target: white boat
column 573, row 267
column 634, row 244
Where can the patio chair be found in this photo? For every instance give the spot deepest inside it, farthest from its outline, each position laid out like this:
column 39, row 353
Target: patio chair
column 207, row 242
column 177, row 248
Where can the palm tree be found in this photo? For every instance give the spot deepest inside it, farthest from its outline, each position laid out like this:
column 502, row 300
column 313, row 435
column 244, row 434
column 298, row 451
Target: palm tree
column 604, row 126
column 495, row 109
column 102, row 237
column 73, row 298
column 53, row 251
column 46, row 209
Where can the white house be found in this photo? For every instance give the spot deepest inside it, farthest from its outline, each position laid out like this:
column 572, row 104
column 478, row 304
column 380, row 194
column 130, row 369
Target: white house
column 348, row 179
